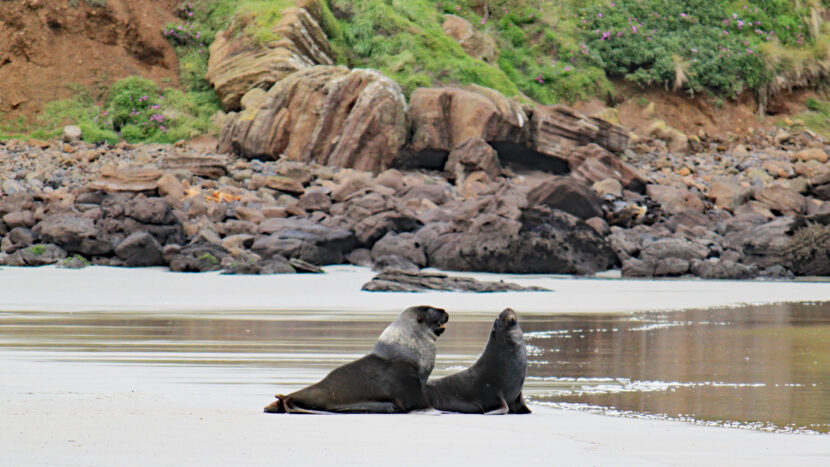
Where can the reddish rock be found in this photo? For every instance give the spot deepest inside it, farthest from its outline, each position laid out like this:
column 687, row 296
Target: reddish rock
column 592, row 163
column 238, row 63
column 443, row 118
column 567, row 195
column 472, row 155
column 782, row 200
column 674, row 200
column 329, row 115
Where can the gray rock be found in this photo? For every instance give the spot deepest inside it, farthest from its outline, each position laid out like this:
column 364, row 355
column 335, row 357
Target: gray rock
column 42, row 254
column 140, row 249
column 387, row 263
column 197, row 258
column 17, row 238
column 73, row 262
column 149, row 210
column 400, row 281
column 303, row 239
column 73, row 233
column 543, row 241
column 404, row 245
column 718, row 268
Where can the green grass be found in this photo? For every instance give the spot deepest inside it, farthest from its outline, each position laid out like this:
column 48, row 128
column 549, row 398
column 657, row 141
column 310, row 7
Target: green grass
column 816, row 118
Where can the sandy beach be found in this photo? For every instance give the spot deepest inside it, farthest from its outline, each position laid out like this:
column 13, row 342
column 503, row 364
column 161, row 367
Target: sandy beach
column 55, row 412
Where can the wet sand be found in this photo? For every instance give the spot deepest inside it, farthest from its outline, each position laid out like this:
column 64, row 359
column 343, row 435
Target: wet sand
column 72, row 412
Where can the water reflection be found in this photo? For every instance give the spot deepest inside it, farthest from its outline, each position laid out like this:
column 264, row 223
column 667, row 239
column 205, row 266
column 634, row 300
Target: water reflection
column 760, row 367
column 765, row 367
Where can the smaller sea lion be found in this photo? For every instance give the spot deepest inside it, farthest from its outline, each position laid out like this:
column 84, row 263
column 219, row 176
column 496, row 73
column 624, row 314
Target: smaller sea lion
column 493, row 385
column 390, row 379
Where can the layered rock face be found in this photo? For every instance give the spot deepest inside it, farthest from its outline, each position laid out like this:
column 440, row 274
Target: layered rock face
column 325, row 114
column 238, row 63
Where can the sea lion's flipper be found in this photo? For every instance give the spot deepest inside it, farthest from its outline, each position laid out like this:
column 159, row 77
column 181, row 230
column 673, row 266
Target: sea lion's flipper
column 367, row 407
column 501, row 410
column 285, row 404
column 518, row 406
column 278, row 406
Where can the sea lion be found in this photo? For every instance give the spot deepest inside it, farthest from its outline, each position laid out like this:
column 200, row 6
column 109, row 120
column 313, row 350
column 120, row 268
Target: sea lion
column 390, row 379
column 493, row 385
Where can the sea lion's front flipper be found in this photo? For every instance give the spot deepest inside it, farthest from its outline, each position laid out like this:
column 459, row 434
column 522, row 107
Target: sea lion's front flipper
column 501, row 410
column 518, row 406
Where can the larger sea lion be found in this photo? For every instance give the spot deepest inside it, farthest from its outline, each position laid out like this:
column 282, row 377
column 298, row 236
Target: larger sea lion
column 390, row 379
column 494, row 383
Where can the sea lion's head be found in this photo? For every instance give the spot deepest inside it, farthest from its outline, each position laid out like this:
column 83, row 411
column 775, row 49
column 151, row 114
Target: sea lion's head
column 507, row 327
column 430, row 317
column 412, row 337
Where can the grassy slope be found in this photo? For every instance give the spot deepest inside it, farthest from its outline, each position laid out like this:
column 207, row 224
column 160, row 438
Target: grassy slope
column 549, row 51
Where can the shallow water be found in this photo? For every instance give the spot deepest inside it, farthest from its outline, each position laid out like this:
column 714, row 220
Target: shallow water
column 765, row 367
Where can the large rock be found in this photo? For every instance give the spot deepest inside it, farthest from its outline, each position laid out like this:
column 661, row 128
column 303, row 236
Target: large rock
column 73, row 233
column 476, row 44
column 728, row 193
column 238, row 63
column 593, row 163
column 557, row 130
column 569, row 195
column 303, row 239
column 443, row 118
column 140, row 249
column 325, row 114
column 401, row 281
column 782, row 200
column 541, row 241
column 673, row 199
column 470, row 156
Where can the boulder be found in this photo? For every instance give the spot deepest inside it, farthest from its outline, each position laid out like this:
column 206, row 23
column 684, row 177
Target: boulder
column 42, row 254
column 238, row 63
column 443, row 118
column 470, row 156
column 728, row 193
column 325, row 114
column 593, row 163
column 71, row 134
column 476, row 44
column 198, row 257
column 303, row 239
column 557, row 130
column 127, row 179
column 567, row 194
column 201, row 165
column 73, row 233
column 401, row 281
column 782, row 200
column 19, row 219
column 716, row 268
column 673, row 199
column 404, row 245
column 140, row 249
column 812, row 154
column 540, row 241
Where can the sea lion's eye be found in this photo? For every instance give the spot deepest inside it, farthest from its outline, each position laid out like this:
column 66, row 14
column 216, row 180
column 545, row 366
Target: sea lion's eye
column 420, row 319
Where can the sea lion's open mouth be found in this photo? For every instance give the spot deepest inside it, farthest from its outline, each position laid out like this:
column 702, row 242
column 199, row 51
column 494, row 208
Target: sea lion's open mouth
column 440, row 329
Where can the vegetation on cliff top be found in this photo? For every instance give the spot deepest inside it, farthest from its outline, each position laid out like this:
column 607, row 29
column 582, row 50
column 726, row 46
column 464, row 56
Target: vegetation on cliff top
column 548, row 51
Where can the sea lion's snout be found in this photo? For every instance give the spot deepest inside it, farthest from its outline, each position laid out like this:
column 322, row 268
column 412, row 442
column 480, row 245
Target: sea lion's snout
column 508, row 318
column 443, row 317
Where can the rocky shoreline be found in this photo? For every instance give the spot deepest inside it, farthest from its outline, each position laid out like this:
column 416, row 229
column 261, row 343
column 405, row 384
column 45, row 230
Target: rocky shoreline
column 319, row 164
column 756, row 210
